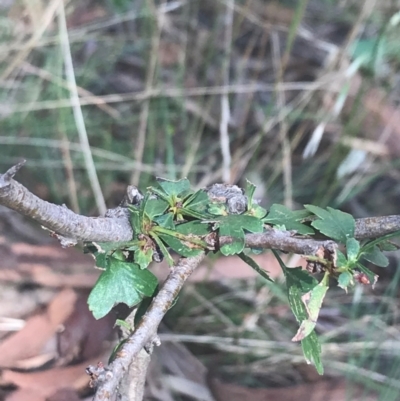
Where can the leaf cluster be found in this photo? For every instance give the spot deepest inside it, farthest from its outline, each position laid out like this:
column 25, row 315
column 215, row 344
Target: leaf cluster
column 172, row 218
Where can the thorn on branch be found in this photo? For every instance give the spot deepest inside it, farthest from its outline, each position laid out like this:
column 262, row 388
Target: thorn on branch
column 154, row 342
column 5, row 178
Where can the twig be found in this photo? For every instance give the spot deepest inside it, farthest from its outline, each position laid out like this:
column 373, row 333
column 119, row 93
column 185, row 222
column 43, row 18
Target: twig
column 60, row 219
column 146, row 330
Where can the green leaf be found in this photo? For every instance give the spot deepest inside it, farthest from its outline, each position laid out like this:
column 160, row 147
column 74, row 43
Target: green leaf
column 166, row 221
column 256, row 211
column 143, row 257
column 121, row 282
column 250, row 189
column 234, row 226
column 143, row 218
column 101, row 260
column 179, row 247
column 175, row 188
column 281, row 215
column 376, row 257
column 382, row 241
column 163, row 248
column 388, row 246
column 312, row 351
column 193, row 228
column 155, row 207
column 252, row 263
column 299, row 282
column 345, row 280
column 253, row 209
column 341, row 260
column 313, row 302
column 218, row 209
column 301, row 214
column 135, row 219
column 197, row 201
column 353, row 248
column 333, row 223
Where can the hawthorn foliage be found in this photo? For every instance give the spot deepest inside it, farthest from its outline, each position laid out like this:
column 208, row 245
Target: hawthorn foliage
column 173, row 217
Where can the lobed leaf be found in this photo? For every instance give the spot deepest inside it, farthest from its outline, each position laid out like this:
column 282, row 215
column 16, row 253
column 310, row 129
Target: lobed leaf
column 194, row 228
column 197, row 202
column 143, row 257
column 166, row 221
column 155, row 207
column 234, row 226
column 313, row 302
column 299, row 282
column 121, row 282
column 282, row 216
column 175, row 188
column 333, row 223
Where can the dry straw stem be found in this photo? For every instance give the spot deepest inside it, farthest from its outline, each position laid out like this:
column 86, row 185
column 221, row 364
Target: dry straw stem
column 77, row 110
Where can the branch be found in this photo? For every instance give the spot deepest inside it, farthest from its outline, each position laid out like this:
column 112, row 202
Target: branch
column 60, row 219
column 146, row 331
column 116, row 227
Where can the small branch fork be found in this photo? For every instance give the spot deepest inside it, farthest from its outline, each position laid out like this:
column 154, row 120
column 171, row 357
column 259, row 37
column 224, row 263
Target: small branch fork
column 145, row 334
column 115, row 227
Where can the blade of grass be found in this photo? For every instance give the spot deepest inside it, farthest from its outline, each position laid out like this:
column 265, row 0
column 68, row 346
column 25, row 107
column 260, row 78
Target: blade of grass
column 77, row 110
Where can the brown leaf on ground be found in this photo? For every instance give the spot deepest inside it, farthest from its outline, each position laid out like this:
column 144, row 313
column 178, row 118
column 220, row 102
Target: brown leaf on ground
column 65, row 394
column 322, row 390
column 47, row 265
column 65, row 330
column 37, row 337
column 48, row 382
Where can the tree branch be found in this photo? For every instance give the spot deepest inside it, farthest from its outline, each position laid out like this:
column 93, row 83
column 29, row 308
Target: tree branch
column 146, row 331
column 60, row 219
column 116, row 227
